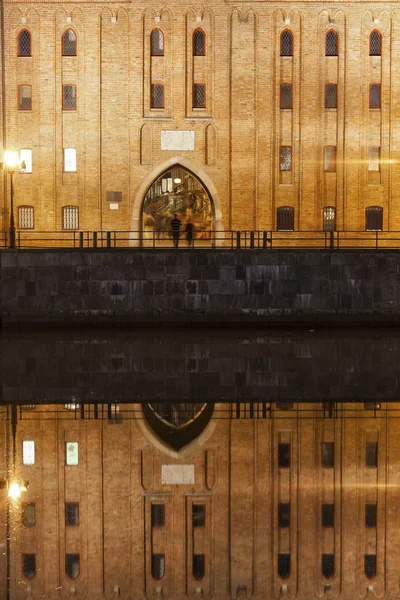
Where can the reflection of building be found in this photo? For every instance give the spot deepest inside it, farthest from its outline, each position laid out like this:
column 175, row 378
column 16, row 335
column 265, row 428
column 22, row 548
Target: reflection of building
column 298, row 502
column 286, row 117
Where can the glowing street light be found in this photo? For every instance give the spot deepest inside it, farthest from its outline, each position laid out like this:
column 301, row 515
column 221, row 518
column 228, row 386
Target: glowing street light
column 13, row 163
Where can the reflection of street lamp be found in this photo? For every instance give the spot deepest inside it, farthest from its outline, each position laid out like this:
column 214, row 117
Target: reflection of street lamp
column 13, row 163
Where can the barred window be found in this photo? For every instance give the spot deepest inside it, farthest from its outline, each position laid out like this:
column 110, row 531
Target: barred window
column 198, row 515
column 286, row 43
column 29, row 565
column 328, row 455
column 283, row 514
column 72, row 565
column 157, row 42
column 26, row 217
column 374, row 155
column 330, row 95
column 328, row 515
column 199, row 43
column 329, row 218
column 370, row 515
column 285, row 158
column 331, row 43
column 285, row 222
column 29, row 514
column 328, row 565
column 69, row 97
column 70, row 217
column 286, row 95
column 28, row 452
column 375, row 95
column 157, row 95
column 374, row 218
column 25, row 97
column 199, row 566
column 72, row 513
column 283, row 565
column 71, row 453
column 370, row 565
column 157, row 566
column 330, row 159
column 375, row 43
column 157, row 515
column 283, row 455
column 371, row 454
column 24, row 43
column 199, row 95
column 69, row 43
column 25, row 156
column 69, row 160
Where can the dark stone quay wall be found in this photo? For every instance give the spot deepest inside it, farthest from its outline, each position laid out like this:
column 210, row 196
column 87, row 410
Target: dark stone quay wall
column 199, row 286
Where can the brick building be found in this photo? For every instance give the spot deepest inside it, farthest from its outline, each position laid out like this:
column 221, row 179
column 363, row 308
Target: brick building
column 246, row 115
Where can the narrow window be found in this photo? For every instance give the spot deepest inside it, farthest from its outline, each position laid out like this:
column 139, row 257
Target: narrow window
column 72, row 565
column 157, row 566
column 370, row 565
column 370, row 515
column 69, row 97
column 285, row 158
column 285, row 219
column 69, row 160
column 29, row 565
column 72, row 513
column 24, row 43
column 283, row 514
column 199, row 566
column 70, row 217
column 328, row 515
column 375, row 95
column 28, row 452
column 284, row 455
column 329, row 218
column 286, row 43
column 25, row 156
column 199, row 95
column 25, row 97
column 26, row 217
column 374, row 158
column 331, row 43
column 71, row 453
column 328, row 455
column 29, row 514
column 374, row 218
column 283, row 565
column 330, row 95
column 328, row 565
column 157, row 95
column 286, row 95
column 157, row 515
column 371, row 454
column 199, row 43
column 375, row 44
column 69, row 43
column 198, row 515
column 157, row 42
column 330, row 159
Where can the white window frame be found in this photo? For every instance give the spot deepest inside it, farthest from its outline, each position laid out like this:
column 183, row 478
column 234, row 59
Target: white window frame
column 72, row 454
column 28, row 452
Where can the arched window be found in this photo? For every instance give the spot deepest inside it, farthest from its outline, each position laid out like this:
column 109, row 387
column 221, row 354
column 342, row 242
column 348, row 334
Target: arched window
column 157, row 42
column 69, row 43
column 374, row 218
column 199, row 43
column 331, row 43
column 157, row 566
column 375, row 43
column 24, row 43
column 286, row 43
column 285, row 218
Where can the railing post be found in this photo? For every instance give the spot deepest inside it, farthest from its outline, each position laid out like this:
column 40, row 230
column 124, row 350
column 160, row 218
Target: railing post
column 265, row 238
column 19, row 240
column 251, row 239
column 331, row 240
column 108, row 239
column 94, row 239
column 238, row 239
column 81, row 234
column 376, row 241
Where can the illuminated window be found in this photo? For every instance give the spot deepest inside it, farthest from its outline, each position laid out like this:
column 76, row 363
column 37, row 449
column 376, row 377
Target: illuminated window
column 331, row 43
column 375, row 44
column 330, row 95
column 328, row 455
column 69, row 97
column 72, row 565
column 157, row 42
column 26, row 217
column 375, row 95
column 199, row 43
column 283, row 565
column 70, row 217
column 28, row 452
column 25, row 155
column 25, row 97
column 286, row 43
column 286, row 95
column 29, row 565
column 158, row 566
column 24, row 43
column 199, row 95
column 28, row 514
column 69, row 43
column 328, row 565
column 374, row 218
column 157, row 95
column 285, row 221
column 285, row 158
column 330, row 159
column 69, row 160
column 374, row 155
column 71, row 453
column 329, row 218
column 71, row 513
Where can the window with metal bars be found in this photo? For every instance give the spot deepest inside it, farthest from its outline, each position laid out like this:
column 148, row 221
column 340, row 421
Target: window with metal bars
column 283, row 565
column 70, row 217
column 331, row 43
column 199, row 95
column 199, row 566
column 370, row 565
column 69, row 97
column 285, row 158
column 370, row 515
column 157, row 566
column 286, row 43
column 283, row 455
column 286, row 95
column 25, row 97
column 157, row 42
column 284, row 514
column 26, row 217
column 375, row 43
column 72, row 514
column 198, row 515
column 374, row 218
column 157, row 95
column 157, row 515
column 375, row 95
column 69, row 43
column 329, row 218
column 371, row 454
column 374, row 155
column 330, row 95
column 328, row 455
column 72, row 565
column 330, row 159
column 328, row 515
column 29, row 565
column 199, row 43
column 24, row 43
column 29, row 514
column 285, row 218
column 328, row 565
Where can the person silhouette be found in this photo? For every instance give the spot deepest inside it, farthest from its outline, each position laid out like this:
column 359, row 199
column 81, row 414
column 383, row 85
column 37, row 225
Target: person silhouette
column 176, row 229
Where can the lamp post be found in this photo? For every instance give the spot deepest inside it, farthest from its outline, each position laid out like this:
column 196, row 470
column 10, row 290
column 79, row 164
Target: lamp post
column 13, row 163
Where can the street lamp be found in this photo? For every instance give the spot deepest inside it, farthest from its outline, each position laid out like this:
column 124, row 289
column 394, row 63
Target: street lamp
column 13, row 163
